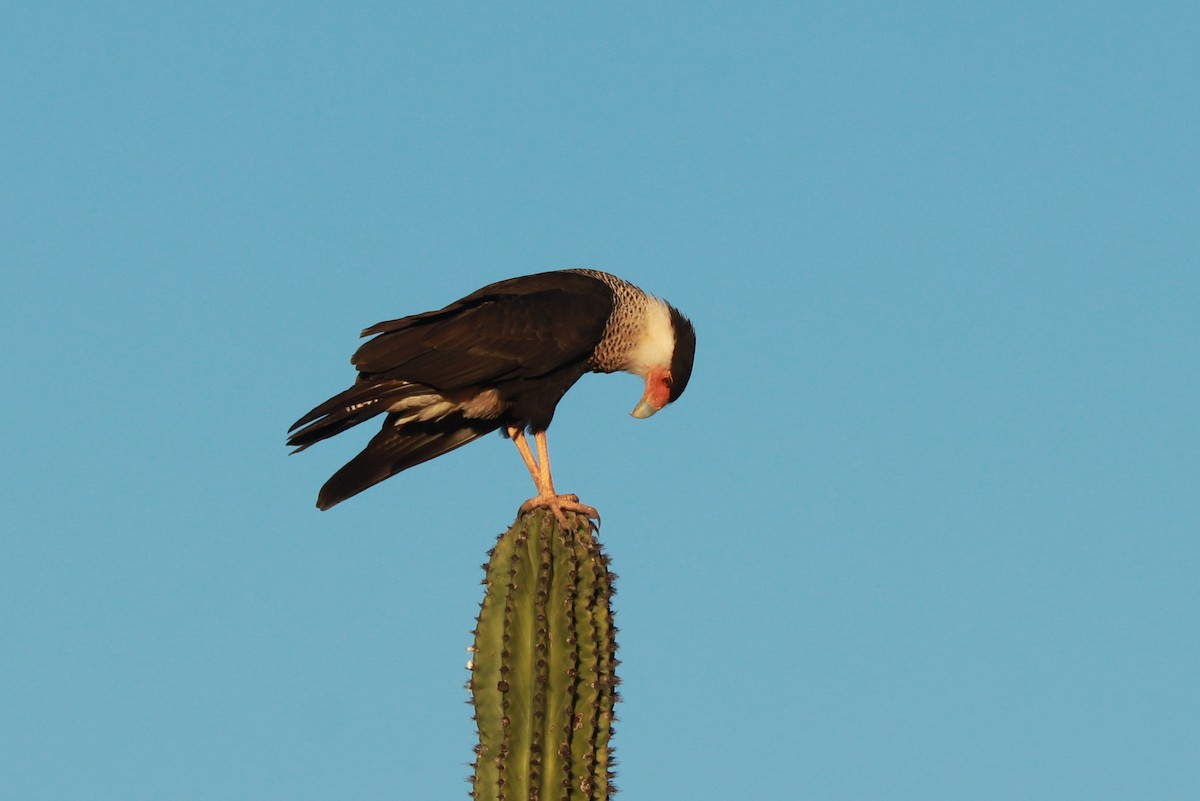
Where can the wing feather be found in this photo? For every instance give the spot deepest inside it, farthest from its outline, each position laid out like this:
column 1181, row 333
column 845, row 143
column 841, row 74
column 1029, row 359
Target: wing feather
column 521, row 328
column 396, row 448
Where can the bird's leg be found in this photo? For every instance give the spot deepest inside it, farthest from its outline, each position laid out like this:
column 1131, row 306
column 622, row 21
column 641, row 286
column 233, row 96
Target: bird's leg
column 518, row 437
column 546, row 483
column 539, row 471
column 547, row 498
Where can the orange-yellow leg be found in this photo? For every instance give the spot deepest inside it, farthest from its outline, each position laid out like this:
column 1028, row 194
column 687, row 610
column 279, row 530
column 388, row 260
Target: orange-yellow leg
column 539, row 471
column 518, row 438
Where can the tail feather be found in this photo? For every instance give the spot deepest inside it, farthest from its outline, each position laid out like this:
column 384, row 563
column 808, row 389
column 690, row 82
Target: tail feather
column 399, row 446
column 347, row 409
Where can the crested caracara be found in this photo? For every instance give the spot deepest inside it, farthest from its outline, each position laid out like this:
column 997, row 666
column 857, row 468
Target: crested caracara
column 499, row 359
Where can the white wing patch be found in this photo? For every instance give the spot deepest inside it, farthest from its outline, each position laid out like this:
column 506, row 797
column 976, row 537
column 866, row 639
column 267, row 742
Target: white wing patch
column 433, row 405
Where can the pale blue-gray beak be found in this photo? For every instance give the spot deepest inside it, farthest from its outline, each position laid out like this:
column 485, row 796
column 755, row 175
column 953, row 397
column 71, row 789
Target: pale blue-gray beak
column 643, row 410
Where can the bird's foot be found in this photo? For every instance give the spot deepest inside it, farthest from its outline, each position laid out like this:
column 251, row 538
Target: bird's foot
column 560, row 505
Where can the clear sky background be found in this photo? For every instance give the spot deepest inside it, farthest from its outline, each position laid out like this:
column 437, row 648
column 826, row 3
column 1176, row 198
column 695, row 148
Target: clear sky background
column 924, row 525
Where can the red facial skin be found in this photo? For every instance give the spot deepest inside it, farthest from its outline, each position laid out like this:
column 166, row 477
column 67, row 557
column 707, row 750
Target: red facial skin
column 657, row 394
column 658, row 388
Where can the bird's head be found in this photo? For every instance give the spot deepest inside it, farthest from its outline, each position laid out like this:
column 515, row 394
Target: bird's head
column 665, row 353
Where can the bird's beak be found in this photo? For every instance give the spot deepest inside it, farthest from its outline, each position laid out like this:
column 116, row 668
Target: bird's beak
column 656, row 396
column 643, row 410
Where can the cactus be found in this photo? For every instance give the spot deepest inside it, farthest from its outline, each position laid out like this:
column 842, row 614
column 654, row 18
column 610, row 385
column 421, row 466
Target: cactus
column 543, row 678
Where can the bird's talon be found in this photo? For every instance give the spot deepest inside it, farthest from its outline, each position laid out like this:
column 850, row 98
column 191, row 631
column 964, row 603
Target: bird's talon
column 559, row 505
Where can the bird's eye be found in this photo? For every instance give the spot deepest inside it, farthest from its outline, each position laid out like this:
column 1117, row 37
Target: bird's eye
column 667, row 381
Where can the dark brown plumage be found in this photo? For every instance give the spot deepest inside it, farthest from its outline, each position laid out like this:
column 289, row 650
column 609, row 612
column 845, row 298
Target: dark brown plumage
column 499, row 358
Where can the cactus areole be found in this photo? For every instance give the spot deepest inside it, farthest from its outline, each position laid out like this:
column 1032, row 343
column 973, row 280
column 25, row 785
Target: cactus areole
column 499, row 359
column 543, row 673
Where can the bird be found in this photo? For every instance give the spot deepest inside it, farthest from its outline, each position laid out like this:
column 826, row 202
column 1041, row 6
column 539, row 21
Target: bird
column 499, row 359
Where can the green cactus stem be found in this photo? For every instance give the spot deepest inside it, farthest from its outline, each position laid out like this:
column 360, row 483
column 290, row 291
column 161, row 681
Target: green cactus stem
column 543, row 677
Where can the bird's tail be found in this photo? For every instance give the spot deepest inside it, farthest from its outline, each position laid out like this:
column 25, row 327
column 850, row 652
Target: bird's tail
column 402, row 443
column 347, row 409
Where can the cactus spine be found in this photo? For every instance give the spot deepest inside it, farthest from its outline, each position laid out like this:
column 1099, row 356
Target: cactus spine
column 543, row 678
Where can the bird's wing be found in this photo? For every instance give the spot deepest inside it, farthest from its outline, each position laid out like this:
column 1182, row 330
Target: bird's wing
column 397, row 448
column 521, row 328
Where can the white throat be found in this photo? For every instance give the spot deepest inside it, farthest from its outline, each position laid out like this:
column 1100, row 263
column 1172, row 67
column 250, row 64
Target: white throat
column 656, row 345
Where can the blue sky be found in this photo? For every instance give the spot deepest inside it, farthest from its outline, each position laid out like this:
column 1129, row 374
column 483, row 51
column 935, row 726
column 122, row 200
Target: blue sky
column 924, row 525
